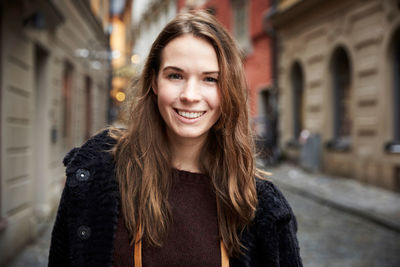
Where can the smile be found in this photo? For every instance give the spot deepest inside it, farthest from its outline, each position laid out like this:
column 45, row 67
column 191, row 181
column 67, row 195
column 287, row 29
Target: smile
column 190, row 115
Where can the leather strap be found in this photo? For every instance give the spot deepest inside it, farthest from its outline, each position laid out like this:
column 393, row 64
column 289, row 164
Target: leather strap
column 138, row 251
column 138, row 248
column 224, row 256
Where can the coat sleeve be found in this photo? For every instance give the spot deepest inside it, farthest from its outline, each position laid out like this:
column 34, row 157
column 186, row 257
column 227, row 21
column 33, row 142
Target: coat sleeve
column 59, row 247
column 276, row 229
column 289, row 252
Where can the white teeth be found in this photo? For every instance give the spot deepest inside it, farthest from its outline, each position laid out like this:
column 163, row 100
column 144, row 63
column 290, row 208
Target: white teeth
column 190, row 115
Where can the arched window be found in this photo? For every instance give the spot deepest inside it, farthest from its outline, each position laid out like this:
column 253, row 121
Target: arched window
column 396, row 87
column 341, row 78
column 393, row 146
column 297, row 80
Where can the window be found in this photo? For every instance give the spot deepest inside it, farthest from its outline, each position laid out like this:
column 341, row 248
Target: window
column 342, row 113
column 396, row 88
column 393, row 146
column 88, row 105
column 241, row 23
column 66, row 104
column 297, row 81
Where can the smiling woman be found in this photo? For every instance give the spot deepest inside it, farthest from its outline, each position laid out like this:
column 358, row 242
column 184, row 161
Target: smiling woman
column 179, row 187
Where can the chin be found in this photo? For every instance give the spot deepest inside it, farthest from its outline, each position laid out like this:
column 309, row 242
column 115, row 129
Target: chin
column 189, row 134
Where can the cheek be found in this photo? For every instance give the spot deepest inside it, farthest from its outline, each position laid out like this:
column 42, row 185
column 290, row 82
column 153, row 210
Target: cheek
column 164, row 100
column 215, row 99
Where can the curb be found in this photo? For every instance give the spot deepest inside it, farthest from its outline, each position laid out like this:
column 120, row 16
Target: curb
column 377, row 219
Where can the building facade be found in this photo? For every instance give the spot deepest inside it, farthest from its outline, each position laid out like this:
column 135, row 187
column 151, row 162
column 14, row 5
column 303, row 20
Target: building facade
column 338, row 76
column 149, row 18
column 54, row 76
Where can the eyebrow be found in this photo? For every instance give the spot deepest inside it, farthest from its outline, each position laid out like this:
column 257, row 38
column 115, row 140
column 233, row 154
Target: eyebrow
column 181, row 70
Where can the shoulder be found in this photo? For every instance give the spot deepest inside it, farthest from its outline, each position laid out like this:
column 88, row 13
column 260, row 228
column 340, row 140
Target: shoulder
column 272, row 220
column 100, row 143
column 271, row 202
column 92, row 157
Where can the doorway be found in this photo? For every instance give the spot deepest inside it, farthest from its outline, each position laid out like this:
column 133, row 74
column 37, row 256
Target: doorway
column 41, row 133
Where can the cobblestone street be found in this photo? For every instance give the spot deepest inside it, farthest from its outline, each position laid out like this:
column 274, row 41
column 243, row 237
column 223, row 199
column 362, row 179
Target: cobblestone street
column 330, row 237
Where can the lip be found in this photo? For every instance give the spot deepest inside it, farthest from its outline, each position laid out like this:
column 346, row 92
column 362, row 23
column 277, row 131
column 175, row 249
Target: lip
column 188, row 120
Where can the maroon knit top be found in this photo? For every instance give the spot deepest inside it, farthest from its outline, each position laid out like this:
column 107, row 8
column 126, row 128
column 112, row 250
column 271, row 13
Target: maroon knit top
column 193, row 238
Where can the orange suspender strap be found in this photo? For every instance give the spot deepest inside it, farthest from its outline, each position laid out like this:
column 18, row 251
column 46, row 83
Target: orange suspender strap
column 138, row 248
column 138, row 251
column 224, row 256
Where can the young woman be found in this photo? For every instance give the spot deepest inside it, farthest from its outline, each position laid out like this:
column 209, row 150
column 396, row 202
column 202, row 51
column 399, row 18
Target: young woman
column 178, row 187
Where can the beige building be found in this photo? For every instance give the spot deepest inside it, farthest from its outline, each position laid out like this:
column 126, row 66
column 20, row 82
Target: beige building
column 149, row 18
column 338, row 77
column 54, row 75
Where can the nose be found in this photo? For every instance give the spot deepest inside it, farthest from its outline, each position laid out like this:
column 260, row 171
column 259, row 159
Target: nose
column 190, row 92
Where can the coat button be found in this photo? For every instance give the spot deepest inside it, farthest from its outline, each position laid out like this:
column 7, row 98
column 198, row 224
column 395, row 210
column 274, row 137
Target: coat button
column 82, row 175
column 84, row 232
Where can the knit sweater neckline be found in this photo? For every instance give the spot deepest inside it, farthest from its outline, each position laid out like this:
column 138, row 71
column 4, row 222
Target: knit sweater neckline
column 190, row 177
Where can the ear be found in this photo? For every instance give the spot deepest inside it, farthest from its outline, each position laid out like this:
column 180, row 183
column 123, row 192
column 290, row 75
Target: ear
column 154, row 84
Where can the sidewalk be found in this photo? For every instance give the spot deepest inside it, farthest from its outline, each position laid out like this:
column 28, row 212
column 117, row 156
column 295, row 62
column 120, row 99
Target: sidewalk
column 375, row 204
column 36, row 253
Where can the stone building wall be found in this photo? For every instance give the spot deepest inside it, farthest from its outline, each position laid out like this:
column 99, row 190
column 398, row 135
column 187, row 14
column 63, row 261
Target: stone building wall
column 34, row 58
column 309, row 34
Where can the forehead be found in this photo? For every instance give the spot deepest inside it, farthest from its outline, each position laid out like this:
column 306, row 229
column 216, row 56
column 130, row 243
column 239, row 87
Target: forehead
column 189, row 51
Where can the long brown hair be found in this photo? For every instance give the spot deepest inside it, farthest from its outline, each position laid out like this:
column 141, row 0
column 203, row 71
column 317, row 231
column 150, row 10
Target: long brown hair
column 143, row 158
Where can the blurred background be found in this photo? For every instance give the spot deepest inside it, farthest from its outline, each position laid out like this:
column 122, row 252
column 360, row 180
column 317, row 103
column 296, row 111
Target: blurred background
column 324, row 87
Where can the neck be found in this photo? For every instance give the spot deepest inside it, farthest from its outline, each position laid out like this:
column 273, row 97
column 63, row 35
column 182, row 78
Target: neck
column 186, row 154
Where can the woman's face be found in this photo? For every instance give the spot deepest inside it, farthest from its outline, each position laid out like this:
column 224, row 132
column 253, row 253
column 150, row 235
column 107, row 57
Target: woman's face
column 187, row 88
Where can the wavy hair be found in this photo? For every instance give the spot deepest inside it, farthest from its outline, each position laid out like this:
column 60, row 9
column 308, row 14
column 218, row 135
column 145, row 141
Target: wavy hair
column 143, row 157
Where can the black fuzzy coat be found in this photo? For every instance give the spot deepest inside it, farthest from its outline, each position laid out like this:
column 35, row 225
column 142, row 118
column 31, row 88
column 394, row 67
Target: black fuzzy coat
column 87, row 217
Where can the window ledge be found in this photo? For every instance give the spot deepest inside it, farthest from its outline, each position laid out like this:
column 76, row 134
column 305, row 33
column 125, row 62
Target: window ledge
column 392, row 147
column 339, row 145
